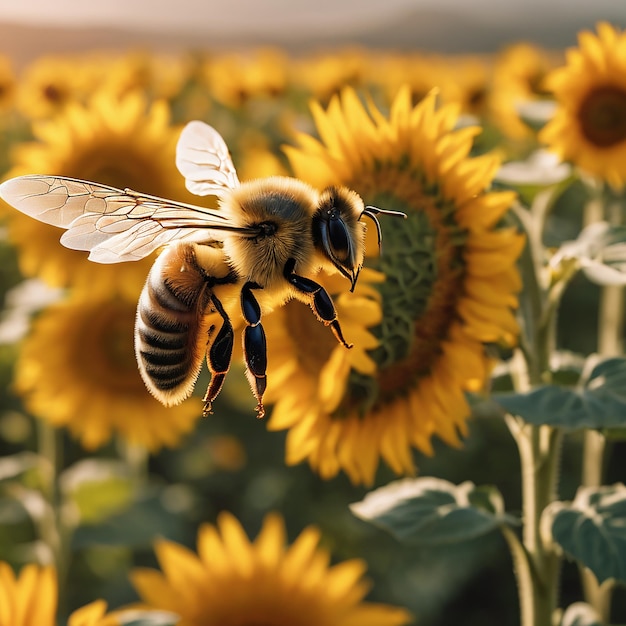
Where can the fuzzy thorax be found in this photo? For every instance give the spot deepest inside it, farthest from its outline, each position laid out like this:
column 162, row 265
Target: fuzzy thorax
column 283, row 207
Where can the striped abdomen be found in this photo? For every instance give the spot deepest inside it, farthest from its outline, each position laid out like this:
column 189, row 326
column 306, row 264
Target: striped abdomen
column 170, row 331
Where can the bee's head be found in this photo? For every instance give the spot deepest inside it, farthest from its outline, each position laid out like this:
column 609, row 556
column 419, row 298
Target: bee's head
column 337, row 232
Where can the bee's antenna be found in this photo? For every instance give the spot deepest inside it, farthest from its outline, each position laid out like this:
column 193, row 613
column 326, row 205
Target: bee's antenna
column 372, row 212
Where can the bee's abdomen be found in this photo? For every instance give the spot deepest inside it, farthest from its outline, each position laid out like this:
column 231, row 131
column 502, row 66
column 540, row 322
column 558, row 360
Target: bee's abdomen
column 169, row 325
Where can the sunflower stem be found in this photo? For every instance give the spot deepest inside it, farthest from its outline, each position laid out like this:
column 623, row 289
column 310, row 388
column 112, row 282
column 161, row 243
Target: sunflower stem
column 539, row 448
column 610, row 343
column 537, row 566
column 51, row 527
column 136, row 458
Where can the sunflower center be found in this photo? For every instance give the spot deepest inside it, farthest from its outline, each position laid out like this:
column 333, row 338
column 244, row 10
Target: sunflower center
column 105, row 166
column 476, row 99
column 108, row 346
column 423, row 265
column 52, row 94
column 535, row 83
column 315, row 341
column 602, row 116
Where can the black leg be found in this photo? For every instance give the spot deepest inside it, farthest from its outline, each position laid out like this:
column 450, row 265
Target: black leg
column 219, row 353
column 319, row 300
column 254, row 345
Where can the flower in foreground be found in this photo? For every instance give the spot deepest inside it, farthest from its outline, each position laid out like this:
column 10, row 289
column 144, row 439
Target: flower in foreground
column 589, row 125
column 77, row 369
column 450, row 286
column 30, row 599
column 115, row 140
column 238, row 582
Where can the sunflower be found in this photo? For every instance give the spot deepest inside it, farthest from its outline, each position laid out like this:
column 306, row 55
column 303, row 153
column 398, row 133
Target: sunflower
column 89, row 382
column 234, row 79
column 48, row 86
column 323, row 75
column 589, row 125
column 8, row 83
column 115, row 140
column 518, row 78
column 30, row 599
column 160, row 75
column 237, row 582
column 468, row 82
column 417, row 71
column 450, row 286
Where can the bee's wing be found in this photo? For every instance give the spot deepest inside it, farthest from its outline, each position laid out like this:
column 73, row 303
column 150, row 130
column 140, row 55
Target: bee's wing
column 202, row 157
column 114, row 225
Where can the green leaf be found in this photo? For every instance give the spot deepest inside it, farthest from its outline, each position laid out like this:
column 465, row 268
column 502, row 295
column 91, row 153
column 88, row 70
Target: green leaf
column 432, row 512
column 601, row 251
column 154, row 513
column 599, row 401
column 24, row 467
column 98, row 488
column 592, row 529
column 540, row 170
column 141, row 617
column 580, row 614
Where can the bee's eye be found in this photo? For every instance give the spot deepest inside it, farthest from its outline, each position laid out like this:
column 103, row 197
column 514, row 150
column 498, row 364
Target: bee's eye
column 338, row 236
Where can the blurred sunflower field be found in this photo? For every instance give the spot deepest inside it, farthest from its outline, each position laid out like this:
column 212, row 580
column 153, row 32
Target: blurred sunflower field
column 461, row 463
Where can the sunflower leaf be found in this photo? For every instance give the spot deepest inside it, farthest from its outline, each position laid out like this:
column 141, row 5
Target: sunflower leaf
column 98, row 488
column 25, row 467
column 156, row 511
column 148, row 618
column 431, row 511
column 580, row 614
column 601, row 251
column 592, row 529
column 599, row 400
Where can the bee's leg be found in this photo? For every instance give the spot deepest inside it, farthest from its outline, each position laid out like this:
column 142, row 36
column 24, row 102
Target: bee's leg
column 218, row 356
column 319, row 300
column 254, row 345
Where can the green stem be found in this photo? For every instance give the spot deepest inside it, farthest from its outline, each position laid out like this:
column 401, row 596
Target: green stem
column 51, row 527
column 610, row 322
column 537, row 561
column 539, row 449
column 598, row 596
column 136, row 458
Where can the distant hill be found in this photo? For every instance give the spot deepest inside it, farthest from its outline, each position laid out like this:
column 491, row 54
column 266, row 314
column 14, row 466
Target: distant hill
column 419, row 29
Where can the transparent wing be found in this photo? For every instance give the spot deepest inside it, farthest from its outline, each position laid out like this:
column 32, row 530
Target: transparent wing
column 202, row 157
column 114, row 225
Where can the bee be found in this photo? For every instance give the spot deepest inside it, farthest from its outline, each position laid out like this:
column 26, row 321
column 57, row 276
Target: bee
column 268, row 239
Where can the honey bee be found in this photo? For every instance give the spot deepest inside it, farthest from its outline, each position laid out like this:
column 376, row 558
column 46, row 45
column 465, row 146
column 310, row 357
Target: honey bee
column 268, row 237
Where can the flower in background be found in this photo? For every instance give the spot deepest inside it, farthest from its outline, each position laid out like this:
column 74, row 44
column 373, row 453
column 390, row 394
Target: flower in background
column 236, row 581
column 8, row 83
column 518, row 79
column 89, row 382
column 417, row 71
column 48, row 85
column 234, row 79
column 323, row 75
column 116, row 140
column 159, row 75
column 468, row 83
column 256, row 158
column 450, row 286
column 589, row 125
column 30, row 599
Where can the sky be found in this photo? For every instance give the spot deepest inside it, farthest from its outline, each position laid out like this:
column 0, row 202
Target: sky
column 230, row 16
